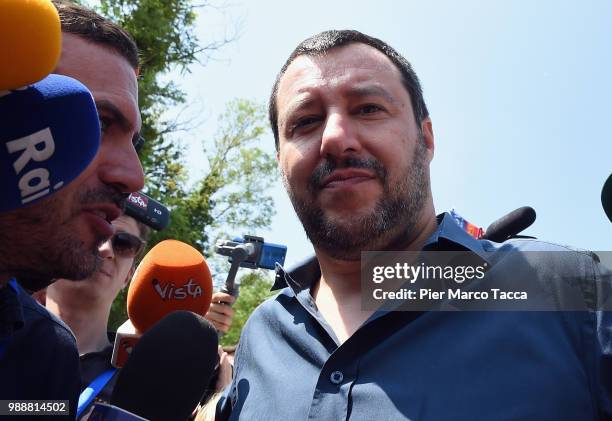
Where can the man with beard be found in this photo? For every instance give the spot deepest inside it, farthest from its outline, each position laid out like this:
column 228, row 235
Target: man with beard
column 59, row 237
column 354, row 144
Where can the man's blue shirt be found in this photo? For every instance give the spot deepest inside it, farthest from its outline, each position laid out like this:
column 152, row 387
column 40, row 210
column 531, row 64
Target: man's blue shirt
column 437, row 365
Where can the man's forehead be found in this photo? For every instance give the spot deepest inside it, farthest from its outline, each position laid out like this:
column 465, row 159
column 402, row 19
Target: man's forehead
column 87, row 58
column 106, row 73
column 357, row 61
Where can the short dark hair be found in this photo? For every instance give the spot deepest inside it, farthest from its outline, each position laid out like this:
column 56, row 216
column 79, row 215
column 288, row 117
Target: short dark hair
column 319, row 44
column 84, row 22
column 144, row 231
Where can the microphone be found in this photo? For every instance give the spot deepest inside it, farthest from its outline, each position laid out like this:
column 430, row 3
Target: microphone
column 606, row 197
column 49, row 133
column 172, row 276
column 30, row 41
column 511, row 224
column 169, row 370
column 147, row 210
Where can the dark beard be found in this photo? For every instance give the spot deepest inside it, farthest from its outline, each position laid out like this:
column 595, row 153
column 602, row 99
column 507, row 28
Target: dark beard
column 48, row 250
column 388, row 226
column 37, row 246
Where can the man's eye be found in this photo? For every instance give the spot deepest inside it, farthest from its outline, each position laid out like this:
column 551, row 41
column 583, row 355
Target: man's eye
column 304, row 122
column 370, row 109
column 105, row 123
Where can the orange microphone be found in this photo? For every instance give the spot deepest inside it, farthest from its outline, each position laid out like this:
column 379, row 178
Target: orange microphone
column 172, row 276
column 30, row 41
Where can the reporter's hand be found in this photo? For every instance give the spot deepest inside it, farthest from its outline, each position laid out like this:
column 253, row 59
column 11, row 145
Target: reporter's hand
column 220, row 313
column 225, row 371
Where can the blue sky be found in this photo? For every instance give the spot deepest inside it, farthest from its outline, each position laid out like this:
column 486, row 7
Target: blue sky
column 520, row 95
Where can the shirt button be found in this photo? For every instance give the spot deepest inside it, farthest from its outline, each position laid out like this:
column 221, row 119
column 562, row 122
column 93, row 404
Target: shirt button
column 336, row 377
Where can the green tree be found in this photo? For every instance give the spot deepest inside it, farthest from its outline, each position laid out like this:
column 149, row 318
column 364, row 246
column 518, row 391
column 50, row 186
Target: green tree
column 232, row 194
column 164, row 33
column 233, row 191
column 254, row 289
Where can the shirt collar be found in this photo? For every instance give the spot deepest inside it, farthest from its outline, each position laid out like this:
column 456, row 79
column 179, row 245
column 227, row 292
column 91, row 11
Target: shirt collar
column 451, row 237
column 448, row 237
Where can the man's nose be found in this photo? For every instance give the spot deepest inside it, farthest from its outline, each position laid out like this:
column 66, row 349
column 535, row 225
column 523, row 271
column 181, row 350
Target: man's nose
column 121, row 167
column 339, row 136
column 106, row 250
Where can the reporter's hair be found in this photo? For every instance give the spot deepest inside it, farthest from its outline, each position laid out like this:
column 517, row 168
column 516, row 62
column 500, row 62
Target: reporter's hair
column 144, row 231
column 207, row 411
column 79, row 20
column 318, row 45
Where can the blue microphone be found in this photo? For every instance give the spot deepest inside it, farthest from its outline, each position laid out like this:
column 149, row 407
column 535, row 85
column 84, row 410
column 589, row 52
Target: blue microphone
column 49, row 133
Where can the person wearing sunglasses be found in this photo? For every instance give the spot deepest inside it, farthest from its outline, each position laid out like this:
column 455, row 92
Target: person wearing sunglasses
column 85, row 306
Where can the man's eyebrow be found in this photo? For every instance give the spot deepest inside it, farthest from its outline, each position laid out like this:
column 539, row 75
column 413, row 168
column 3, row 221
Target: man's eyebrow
column 371, row 90
column 294, row 107
column 110, row 108
column 120, row 118
column 355, row 92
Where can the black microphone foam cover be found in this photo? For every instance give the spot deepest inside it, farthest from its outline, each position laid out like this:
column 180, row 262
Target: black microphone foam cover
column 510, row 224
column 169, row 369
column 606, row 197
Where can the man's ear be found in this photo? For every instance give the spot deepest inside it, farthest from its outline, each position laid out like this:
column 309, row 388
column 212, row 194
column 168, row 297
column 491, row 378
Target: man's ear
column 428, row 137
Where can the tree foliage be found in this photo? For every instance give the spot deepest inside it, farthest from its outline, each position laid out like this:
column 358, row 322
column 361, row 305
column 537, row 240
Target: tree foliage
column 164, row 33
column 232, row 193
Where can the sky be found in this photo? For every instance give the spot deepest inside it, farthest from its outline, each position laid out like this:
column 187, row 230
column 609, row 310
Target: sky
column 519, row 92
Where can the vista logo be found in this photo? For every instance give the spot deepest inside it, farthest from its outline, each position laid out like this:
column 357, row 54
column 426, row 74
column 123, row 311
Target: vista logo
column 169, row 291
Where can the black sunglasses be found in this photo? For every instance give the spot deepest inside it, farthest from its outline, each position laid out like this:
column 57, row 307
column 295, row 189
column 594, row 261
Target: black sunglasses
column 127, row 245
